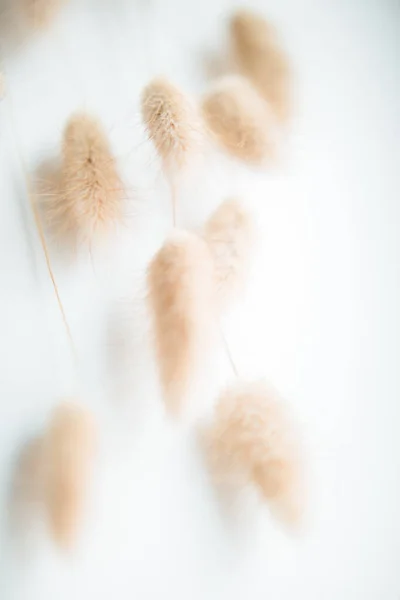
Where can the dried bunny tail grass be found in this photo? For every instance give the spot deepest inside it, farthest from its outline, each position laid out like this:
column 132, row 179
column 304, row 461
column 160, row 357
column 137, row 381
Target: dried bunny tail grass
column 260, row 57
column 229, row 234
column 68, row 451
column 252, row 439
column 39, row 13
column 240, row 120
column 89, row 198
column 172, row 122
column 181, row 290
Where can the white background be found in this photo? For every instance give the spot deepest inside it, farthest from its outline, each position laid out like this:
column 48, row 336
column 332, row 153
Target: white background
column 319, row 318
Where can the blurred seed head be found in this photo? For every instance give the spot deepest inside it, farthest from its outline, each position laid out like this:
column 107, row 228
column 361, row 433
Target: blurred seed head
column 240, row 120
column 261, row 58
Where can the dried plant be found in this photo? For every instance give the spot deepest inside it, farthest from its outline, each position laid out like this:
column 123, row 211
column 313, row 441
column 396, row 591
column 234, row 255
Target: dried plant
column 88, row 199
column 171, row 120
column 174, row 126
column 240, row 120
column 252, row 440
column 261, row 58
column 181, row 294
column 67, row 453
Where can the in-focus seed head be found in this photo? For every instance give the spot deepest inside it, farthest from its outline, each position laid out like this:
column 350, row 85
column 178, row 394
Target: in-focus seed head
column 88, row 200
column 172, row 122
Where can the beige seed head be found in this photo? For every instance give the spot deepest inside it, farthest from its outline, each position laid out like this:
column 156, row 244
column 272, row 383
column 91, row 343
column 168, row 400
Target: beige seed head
column 253, row 440
column 172, row 122
column 260, row 57
column 68, row 451
column 229, row 234
column 88, row 200
column 181, row 294
column 240, row 120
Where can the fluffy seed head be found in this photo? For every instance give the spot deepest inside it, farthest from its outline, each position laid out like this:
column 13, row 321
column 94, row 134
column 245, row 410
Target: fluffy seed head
column 89, row 199
column 171, row 121
column 181, row 289
column 240, row 120
column 252, row 438
column 229, row 234
column 260, row 57
column 68, row 450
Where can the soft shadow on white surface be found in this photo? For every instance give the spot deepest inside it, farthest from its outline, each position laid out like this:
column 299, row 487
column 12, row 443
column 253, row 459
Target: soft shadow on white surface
column 319, row 318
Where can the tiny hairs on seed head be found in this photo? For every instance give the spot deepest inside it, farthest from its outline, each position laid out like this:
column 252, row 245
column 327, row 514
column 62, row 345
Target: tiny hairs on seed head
column 88, row 199
column 171, row 121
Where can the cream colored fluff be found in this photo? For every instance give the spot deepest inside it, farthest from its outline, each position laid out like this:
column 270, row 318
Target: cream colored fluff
column 240, row 120
column 171, row 120
column 181, row 297
column 261, row 58
column 89, row 196
column 252, row 439
column 67, row 454
column 229, row 234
